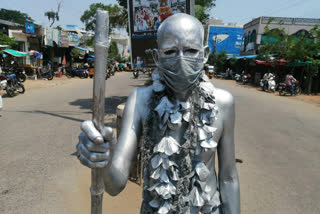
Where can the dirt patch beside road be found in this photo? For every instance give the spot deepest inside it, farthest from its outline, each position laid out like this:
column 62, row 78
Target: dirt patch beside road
column 312, row 99
column 31, row 84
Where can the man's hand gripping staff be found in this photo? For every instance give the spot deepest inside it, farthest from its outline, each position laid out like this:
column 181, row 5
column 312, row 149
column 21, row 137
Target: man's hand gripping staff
column 94, row 148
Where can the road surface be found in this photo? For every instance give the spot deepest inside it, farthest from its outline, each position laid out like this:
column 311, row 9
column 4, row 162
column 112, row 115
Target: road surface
column 277, row 138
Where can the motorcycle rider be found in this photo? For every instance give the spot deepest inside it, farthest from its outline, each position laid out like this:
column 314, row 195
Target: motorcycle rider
column 289, row 82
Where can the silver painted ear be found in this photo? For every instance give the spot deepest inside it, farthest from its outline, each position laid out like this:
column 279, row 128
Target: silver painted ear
column 206, row 52
column 155, row 56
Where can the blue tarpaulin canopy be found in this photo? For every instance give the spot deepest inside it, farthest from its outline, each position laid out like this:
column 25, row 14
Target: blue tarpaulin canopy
column 246, row 57
column 83, row 49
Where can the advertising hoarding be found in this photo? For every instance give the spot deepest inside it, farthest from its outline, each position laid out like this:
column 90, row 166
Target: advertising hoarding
column 29, row 28
column 148, row 14
column 225, row 38
column 145, row 17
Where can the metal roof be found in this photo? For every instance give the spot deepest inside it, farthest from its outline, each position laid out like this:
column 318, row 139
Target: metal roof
column 5, row 22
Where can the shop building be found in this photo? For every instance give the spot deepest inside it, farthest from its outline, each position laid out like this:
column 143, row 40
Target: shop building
column 253, row 32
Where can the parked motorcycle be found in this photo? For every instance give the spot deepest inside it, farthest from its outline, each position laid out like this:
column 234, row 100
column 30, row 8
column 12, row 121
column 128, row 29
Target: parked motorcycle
column 20, row 73
column 237, row 77
column 135, row 74
column 11, row 84
column 268, row 84
column 271, row 84
column 246, row 78
column 45, row 74
column 286, row 89
column 79, row 72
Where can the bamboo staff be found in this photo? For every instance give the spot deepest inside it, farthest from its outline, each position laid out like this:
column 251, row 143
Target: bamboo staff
column 101, row 54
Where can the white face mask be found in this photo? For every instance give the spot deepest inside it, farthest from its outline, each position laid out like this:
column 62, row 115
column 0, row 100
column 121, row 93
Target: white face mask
column 180, row 73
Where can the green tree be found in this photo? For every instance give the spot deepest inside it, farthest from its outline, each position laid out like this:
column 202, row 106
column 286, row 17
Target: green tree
column 75, row 53
column 296, row 48
column 219, row 60
column 6, row 40
column 202, row 9
column 53, row 15
column 276, row 41
column 117, row 16
column 15, row 16
column 113, row 51
column 200, row 13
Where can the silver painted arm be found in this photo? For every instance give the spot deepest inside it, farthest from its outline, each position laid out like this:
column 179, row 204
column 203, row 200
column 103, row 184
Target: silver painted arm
column 115, row 159
column 228, row 176
column 117, row 172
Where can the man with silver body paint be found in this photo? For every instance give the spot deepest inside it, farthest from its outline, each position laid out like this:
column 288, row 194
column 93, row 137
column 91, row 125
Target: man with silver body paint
column 183, row 120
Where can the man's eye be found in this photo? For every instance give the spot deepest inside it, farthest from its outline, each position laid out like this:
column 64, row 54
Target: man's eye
column 191, row 51
column 169, row 52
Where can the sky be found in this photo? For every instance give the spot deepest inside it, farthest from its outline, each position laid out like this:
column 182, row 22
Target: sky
column 241, row 11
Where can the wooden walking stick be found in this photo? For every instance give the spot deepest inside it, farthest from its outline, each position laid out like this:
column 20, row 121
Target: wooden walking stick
column 101, row 54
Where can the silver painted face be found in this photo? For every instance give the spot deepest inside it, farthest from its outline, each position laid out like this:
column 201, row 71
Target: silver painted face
column 181, row 55
column 180, row 35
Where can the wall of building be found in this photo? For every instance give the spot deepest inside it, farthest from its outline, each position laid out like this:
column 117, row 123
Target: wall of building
column 290, row 25
column 19, row 36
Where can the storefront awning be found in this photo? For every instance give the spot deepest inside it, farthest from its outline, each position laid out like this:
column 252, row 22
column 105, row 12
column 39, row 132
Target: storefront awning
column 16, row 53
column 246, row 57
column 83, row 49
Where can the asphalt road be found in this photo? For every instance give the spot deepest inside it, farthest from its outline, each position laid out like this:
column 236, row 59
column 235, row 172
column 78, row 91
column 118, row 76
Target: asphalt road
column 277, row 138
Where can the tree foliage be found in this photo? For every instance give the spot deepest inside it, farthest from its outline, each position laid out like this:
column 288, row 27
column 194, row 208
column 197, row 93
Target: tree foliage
column 290, row 47
column 117, row 16
column 296, row 48
column 200, row 13
column 219, row 60
column 123, row 3
column 6, row 40
column 75, row 53
column 53, row 15
column 113, row 51
column 15, row 16
column 202, row 9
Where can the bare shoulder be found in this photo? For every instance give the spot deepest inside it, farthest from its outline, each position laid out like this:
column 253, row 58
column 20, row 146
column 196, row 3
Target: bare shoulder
column 224, row 99
column 143, row 94
column 139, row 99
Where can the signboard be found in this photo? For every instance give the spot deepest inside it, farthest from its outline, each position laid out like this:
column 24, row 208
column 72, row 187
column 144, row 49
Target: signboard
column 145, row 17
column 69, row 39
column 51, row 37
column 29, row 28
column 148, row 14
column 225, row 38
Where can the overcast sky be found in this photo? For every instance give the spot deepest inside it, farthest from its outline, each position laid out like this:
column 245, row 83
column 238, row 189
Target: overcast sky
column 228, row 10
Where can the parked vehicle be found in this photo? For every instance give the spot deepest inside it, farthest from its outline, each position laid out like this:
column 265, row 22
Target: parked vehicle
column 220, row 75
column 91, row 72
column 10, row 83
column 237, row 77
column 21, row 75
column 19, row 72
column 286, row 89
column 246, row 78
column 45, row 74
column 272, row 84
column 263, row 84
column 210, row 71
column 268, row 84
column 135, row 73
column 78, row 72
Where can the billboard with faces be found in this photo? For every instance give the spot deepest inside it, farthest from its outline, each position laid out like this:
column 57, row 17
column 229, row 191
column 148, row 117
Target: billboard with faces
column 145, row 17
